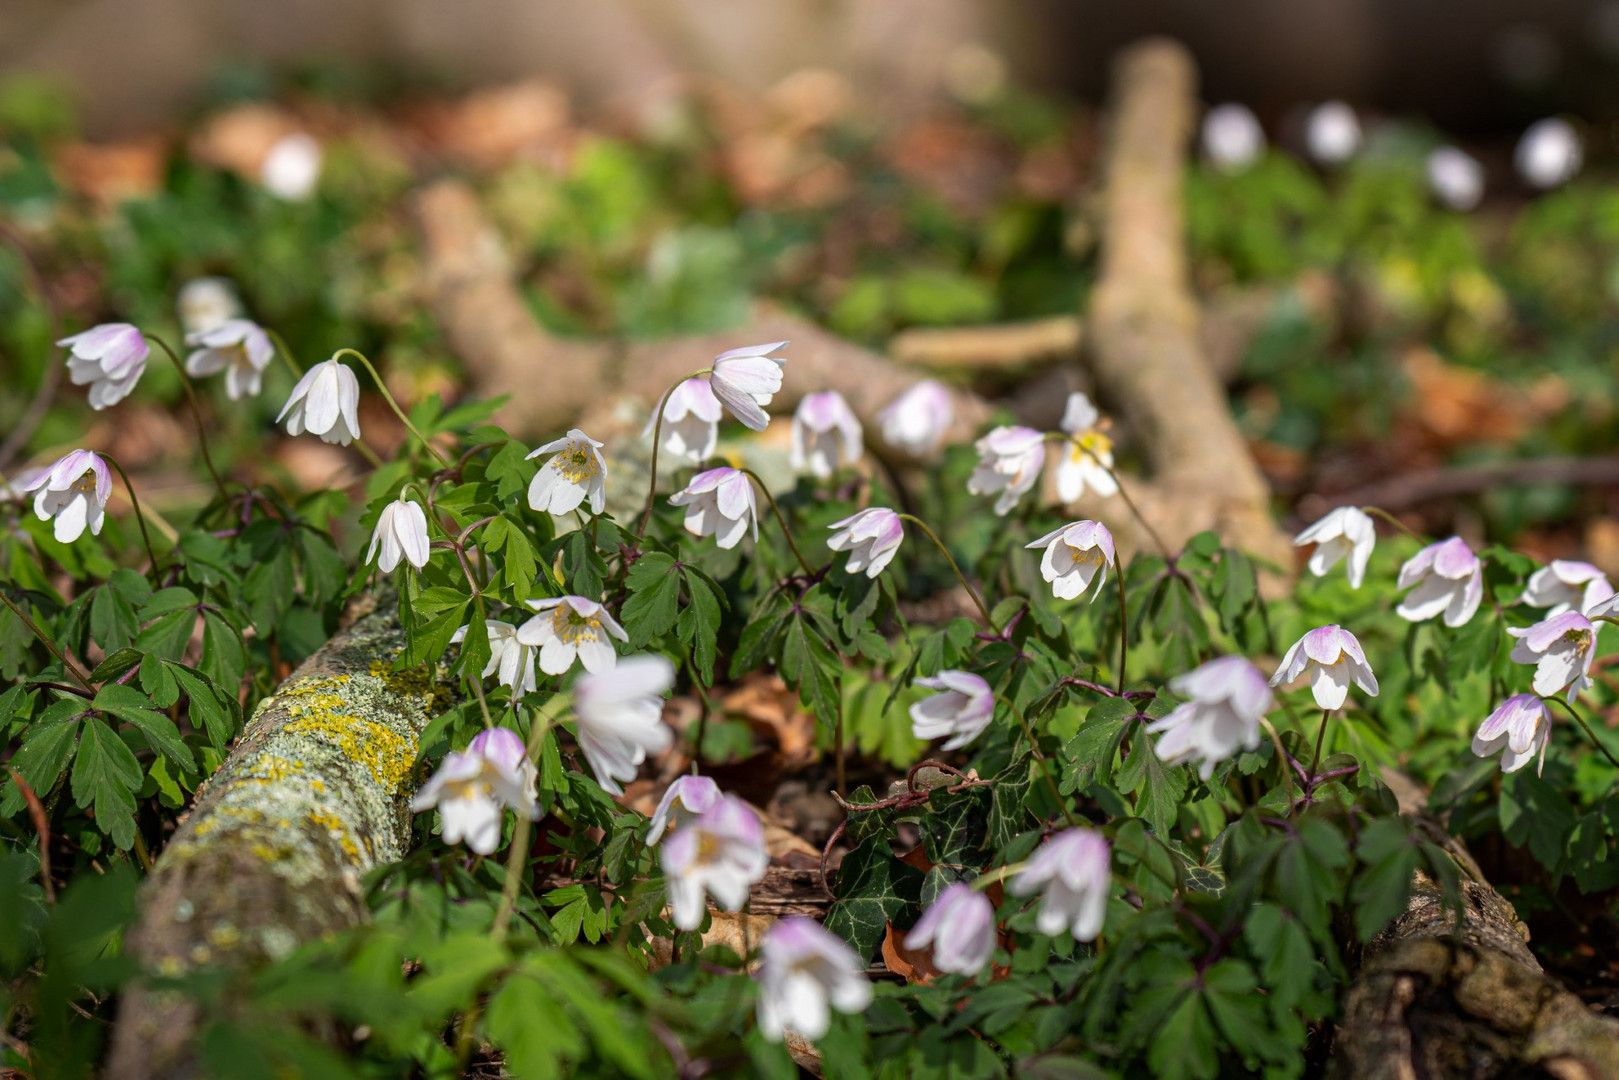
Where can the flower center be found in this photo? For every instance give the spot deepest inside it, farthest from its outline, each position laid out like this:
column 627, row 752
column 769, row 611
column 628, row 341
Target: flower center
column 576, row 463
column 84, row 485
column 573, row 627
column 1091, row 440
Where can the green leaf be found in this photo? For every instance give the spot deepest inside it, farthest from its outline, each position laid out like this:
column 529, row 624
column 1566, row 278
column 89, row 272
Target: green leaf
column 1161, row 786
column 46, row 746
column 106, row 774
column 115, row 665
column 219, row 713
column 112, row 619
column 654, row 600
column 872, row 888
column 1088, row 757
column 534, row 1030
column 134, row 707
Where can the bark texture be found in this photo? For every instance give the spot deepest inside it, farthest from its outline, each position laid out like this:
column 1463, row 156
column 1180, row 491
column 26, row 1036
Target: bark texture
column 313, row 795
column 1142, row 327
column 1459, row 996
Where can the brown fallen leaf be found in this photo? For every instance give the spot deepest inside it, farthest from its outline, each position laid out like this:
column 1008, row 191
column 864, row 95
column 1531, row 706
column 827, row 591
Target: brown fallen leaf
column 736, row 930
column 912, row 965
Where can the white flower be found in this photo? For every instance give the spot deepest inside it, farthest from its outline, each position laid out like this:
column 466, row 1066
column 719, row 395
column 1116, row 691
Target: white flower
column 569, row 626
column 620, row 716
column 1566, row 585
column 1549, row 154
column 472, row 789
column 205, row 303
column 686, row 796
column 326, row 402
column 691, row 421
column 1348, row 530
column 960, row 925
column 1074, row 871
column 509, row 658
column 109, row 358
column 805, row 971
column 1077, row 555
column 1456, row 178
column 962, row 708
column 238, row 347
column 1087, row 455
column 291, row 169
column 1009, row 460
column 1334, row 659
column 721, row 853
column 1522, row 727
column 1561, row 650
column 746, row 379
column 871, row 538
column 1227, row 699
column 719, row 503
column 575, row 470
column 917, row 420
column 401, row 532
column 826, row 433
column 1232, row 137
column 74, row 491
column 1448, row 578
column 1332, row 133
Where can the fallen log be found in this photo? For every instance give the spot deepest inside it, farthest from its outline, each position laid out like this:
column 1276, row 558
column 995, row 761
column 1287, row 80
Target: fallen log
column 1458, row 995
column 314, row 794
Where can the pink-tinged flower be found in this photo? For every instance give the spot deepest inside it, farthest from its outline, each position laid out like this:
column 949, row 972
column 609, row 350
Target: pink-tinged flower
column 805, row 971
column 719, row 503
column 1521, row 727
column 1227, row 698
column 746, row 379
column 1334, row 659
column 1077, row 555
column 109, row 359
column 721, row 854
column 1009, row 460
column 509, row 658
column 206, row 302
column 1566, row 585
column 871, row 538
column 1448, row 577
column 569, row 626
column 688, row 795
column 960, row 925
column 962, row 708
column 74, row 492
column 1232, row 138
column 1348, row 530
column 1549, row 154
column 471, row 789
column 826, row 433
column 620, row 717
column 917, row 420
column 1561, row 650
column 1456, row 178
column 1087, row 456
column 576, row 470
column 1332, row 133
column 1074, row 872
column 401, row 532
column 238, row 347
column 326, row 403
column 691, row 421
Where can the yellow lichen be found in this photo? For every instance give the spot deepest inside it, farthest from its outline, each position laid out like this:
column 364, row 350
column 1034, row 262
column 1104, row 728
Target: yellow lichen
column 339, row 830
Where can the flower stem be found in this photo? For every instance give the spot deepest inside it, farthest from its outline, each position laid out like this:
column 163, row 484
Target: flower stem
column 394, row 405
column 50, row 646
column 521, row 836
column 657, row 437
column 135, row 502
column 1124, row 630
column 1320, row 741
column 1589, row 734
column 1283, row 759
column 196, row 411
column 1392, row 520
column 983, row 610
column 1163, row 548
column 1040, row 759
column 286, row 353
column 780, row 519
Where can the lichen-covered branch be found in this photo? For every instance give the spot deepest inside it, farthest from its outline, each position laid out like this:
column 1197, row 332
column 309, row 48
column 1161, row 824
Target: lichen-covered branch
column 314, row 794
column 1459, row 994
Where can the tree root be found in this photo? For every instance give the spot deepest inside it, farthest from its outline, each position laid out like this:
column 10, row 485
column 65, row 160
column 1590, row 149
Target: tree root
column 1459, row 995
column 271, row 855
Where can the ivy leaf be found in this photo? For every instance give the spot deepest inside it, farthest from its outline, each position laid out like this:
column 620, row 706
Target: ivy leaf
column 872, row 888
column 106, row 775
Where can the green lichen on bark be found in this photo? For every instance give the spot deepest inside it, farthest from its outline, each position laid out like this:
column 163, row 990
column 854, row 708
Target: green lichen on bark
column 313, row 795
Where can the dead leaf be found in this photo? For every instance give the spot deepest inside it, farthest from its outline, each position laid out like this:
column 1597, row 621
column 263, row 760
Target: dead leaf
column 110, row 173
column 912, row 965
column 771, row 708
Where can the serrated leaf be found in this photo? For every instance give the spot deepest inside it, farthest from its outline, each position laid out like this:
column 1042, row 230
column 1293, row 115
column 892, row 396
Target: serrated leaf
column 654, row 600
column 106, row 776
column 133, row 707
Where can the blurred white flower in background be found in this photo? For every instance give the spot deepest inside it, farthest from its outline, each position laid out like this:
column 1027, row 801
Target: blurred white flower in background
column 1232, row 137
column 291, row 170
column 1332, row 133
column 1549, row 154
column 1456, row 178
